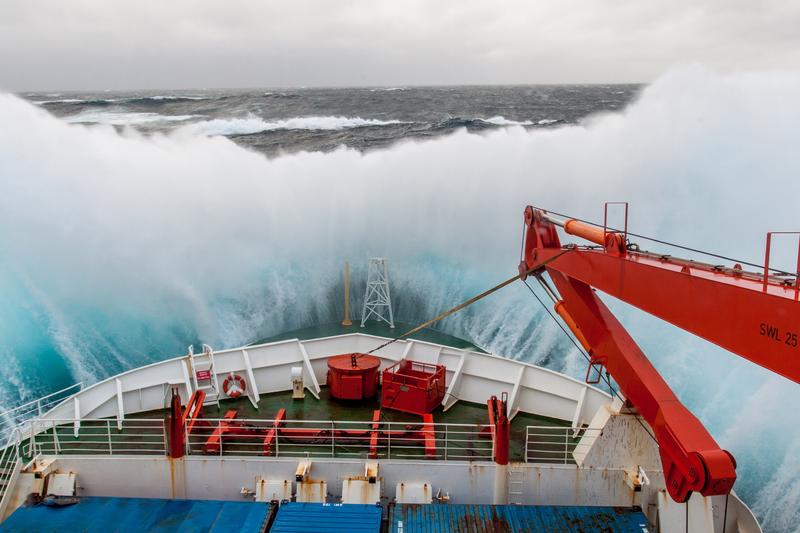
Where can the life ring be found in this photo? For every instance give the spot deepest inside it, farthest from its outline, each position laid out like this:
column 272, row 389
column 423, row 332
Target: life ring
column 234, row 385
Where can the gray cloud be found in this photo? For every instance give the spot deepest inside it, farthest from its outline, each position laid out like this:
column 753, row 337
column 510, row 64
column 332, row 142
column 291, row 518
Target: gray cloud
column 97, row 44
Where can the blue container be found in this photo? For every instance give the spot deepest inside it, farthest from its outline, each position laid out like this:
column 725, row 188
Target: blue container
column 294, row 517
column 436, row 518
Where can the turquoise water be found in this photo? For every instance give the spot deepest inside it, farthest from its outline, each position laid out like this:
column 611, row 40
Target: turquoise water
column 121, row 245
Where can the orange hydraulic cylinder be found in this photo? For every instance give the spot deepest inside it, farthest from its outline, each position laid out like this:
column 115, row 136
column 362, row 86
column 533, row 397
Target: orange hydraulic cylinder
column 573, row 327
column 585, row 231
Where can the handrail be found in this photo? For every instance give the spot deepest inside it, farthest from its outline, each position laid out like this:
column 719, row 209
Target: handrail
column 373, row 439
column 557, row 444
column 41, row 403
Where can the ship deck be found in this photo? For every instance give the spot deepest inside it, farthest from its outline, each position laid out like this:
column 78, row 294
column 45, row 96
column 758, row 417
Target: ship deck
column 316, row 427
column 461, row 432
column 378, row 329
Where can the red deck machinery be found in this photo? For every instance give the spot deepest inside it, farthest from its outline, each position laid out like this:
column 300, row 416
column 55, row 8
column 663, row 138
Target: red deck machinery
column 413, row 387
column 754, row 315
column 353, row 376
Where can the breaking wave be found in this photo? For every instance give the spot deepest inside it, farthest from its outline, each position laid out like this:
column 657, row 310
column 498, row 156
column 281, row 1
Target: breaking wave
column 253, row 124
column 118, row 101
column 124, row 118
column 117, row 249
column 502, row 121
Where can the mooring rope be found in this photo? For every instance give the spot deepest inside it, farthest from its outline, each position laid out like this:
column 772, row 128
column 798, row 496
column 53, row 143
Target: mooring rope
column 464, row 304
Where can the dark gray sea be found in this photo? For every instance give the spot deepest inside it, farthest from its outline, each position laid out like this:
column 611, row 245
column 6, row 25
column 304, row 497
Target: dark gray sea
column 274, row 121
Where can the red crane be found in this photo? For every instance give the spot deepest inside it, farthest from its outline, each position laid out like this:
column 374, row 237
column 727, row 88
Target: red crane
column 754, row 315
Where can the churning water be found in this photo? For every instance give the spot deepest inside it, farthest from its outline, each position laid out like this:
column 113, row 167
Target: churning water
column 134, row 224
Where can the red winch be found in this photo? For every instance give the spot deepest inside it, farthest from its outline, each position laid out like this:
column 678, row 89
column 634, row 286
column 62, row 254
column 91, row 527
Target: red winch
column 353, row 376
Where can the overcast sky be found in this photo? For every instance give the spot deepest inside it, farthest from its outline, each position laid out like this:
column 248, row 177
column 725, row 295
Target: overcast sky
column 124, row 44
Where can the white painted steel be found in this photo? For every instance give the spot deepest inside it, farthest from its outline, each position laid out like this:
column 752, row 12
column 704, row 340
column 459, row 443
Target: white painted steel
column 466, row 482
column 34, row 408
column 471, row 376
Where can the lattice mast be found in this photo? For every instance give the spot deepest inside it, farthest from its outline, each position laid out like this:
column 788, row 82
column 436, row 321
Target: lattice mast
column 377, row 300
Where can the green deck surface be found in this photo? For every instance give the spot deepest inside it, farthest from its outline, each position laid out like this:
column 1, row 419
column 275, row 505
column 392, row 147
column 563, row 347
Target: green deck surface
column 103, row 436
column 148, row 436
column 378, row 329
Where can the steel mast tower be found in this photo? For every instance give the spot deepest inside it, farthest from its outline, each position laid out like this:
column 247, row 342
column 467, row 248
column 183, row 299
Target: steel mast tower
column 377, row 300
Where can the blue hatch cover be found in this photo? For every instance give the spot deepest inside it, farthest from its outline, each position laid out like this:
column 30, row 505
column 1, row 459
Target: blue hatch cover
column 294, row 517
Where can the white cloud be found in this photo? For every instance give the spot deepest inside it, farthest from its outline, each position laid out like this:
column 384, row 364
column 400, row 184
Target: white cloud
column 48, row 44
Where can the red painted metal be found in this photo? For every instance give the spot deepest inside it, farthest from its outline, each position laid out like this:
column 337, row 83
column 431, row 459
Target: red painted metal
column 373, row 438
column 193, row 410
column 353, row 376
column 429, row 435
column 272, row 434
column 177, row 439
column 413, row 387
column 498, row 421
column 752, row 315
column 214, row 442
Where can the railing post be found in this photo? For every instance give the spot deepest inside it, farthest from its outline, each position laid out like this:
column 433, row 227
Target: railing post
column 108, row 431
column 527, row 437
column 766, row 262
column 56, row 443
column 566, row 444
column 446, row 437
column 389, row 442
column 33, row 440
column 333, row 440
column 277, row 438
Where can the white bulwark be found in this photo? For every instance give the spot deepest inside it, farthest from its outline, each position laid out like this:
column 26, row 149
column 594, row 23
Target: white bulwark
column 599, row 456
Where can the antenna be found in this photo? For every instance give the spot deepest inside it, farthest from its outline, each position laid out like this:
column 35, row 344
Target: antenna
column 377, row 301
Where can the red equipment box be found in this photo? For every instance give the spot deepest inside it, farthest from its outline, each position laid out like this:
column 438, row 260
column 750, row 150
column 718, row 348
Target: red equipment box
column 413, row 387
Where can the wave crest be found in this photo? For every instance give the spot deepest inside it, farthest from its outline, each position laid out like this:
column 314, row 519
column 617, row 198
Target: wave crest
column 253, row 124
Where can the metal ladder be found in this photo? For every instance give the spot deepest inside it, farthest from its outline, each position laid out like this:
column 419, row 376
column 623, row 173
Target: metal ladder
column 204, row 374
column 516, row 484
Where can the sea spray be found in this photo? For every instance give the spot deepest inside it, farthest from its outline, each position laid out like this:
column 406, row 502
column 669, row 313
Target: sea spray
column 118, row 248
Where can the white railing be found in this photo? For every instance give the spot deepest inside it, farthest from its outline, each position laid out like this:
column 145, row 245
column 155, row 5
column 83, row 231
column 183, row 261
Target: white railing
column 13, row 417
column 95, row 437
column 556, row 445
column 326, row 438
column 9, row 466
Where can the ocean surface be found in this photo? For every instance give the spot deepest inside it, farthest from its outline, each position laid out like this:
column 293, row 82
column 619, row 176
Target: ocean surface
column 289, row 120
column 134, row 224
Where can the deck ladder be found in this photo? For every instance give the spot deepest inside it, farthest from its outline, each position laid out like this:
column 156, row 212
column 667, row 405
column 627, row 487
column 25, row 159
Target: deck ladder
column 204, row 374
column 516, row 484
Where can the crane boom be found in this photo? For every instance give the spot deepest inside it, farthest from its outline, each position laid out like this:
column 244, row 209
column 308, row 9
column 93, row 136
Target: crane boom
column 754, row 316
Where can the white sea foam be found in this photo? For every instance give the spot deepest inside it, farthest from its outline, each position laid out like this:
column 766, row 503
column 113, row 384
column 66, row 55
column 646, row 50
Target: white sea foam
column 546, row 121
column 253, row 124
column 61, row 101
column 502, row 121
column 124, row 118
column 164, row 236
column 173, row 97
